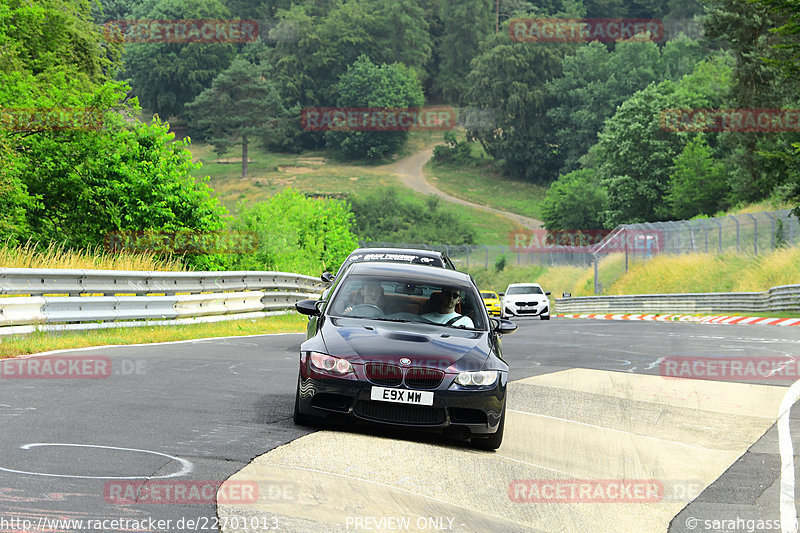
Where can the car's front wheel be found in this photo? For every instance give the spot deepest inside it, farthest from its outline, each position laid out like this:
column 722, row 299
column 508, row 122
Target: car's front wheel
column 495, row 439
column 299, row 418
column 544, row 317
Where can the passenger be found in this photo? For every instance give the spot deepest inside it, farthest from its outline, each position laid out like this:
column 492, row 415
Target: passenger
column 371, row 293
column 447, row 310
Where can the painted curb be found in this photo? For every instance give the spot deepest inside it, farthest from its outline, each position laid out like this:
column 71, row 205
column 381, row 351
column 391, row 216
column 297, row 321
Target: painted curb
column 716, row 319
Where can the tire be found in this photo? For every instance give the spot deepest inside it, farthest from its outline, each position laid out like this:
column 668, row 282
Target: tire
column 299, row 418
column 493, row 441
column 543, row 317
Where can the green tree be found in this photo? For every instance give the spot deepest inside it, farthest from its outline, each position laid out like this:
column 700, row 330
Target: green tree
column 242, row 103
column 697, row 185
column 510, row 78
column 124, row 177
column 387, row 31
column 786, row 56
column 574, row 201
column 366, row 84
column 165, row 76
column 385, row 216
column 296, row 234
column 464, row 24
column 636, row 152
column 746, row 28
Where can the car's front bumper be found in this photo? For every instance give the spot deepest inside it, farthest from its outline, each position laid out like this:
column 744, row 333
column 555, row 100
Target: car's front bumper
column 471, row 412
column 494, row 309
column 538, row 309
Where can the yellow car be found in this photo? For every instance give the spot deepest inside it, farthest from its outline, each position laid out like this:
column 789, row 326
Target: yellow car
column 492, row 302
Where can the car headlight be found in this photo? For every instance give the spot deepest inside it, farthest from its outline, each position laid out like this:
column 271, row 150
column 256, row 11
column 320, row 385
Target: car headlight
column 483, row 378
column 330, row 364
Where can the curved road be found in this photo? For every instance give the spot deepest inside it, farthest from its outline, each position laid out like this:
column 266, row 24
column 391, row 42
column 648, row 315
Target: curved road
column 586, row 403
column 410, row 170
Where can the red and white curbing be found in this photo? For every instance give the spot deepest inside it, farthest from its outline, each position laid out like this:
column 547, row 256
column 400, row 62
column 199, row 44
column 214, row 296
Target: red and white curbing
column 761, row 321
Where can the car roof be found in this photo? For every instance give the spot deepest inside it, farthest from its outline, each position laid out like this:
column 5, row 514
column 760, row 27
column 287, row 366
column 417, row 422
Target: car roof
column 488, row 291
column 436, row 253
column 401, row 255
column 418, row 273
column 524, row 285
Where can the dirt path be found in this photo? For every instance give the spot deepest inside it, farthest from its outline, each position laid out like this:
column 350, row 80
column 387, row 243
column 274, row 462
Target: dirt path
column 410, row 172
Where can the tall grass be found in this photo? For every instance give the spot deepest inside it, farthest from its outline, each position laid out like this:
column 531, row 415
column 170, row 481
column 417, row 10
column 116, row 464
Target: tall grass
column 664, row 274
column 727, row 272
column 29, row 255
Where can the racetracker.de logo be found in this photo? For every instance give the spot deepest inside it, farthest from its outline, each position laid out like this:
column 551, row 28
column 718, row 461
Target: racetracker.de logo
column 181, row 31
column 555, row 30
column 56, row 367
column 36, row 119
column 384, row 119
column 126, row 492
column 731, row 368
column 182, row 242
column 586, row 240
column 586, row 491
column 735, row 120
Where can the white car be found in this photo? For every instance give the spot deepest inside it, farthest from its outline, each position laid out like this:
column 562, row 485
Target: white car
column 526, row 299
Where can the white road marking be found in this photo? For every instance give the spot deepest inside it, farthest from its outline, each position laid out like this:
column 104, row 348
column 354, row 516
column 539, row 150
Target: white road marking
column 89, row 348
column 186, row 466
column 787, row 508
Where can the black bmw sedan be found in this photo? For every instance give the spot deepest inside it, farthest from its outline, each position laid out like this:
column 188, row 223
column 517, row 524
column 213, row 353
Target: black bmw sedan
column 405, row 345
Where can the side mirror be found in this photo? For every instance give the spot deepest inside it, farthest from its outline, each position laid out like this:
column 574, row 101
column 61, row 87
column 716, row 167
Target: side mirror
column 308, row 307
column 503, row 326
column 502, row 294
column 547, row 293
column 327, row 277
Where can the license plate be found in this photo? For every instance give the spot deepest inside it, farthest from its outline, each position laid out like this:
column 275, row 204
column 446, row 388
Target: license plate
column 384, row 394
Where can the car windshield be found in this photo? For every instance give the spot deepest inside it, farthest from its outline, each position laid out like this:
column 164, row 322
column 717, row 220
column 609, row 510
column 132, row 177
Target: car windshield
column 488, row 295
column 404, row 301
column 524, row 290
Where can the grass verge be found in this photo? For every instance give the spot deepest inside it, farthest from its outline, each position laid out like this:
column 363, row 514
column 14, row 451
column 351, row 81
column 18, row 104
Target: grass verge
column 44, row 341
column 314, row 174
column 477, row 181
column 54, row 256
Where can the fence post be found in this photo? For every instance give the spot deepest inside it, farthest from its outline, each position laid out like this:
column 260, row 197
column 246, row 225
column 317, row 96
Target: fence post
column 736, row 220
column 755, row 233
column 596, row 281
column 771, row 227
column 719, row 238
column 705, row 228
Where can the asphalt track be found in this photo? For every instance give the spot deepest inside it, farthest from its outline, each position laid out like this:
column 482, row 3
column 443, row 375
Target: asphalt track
column 587, row 404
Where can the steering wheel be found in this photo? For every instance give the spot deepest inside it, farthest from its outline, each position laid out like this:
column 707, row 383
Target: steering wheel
column 366, row 311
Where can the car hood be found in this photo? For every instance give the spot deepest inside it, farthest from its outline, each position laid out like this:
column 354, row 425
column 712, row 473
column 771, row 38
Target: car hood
column 364, row 340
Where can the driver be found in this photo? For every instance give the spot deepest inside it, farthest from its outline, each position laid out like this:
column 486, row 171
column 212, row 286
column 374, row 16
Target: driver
column 371, row 294
column 447, row 311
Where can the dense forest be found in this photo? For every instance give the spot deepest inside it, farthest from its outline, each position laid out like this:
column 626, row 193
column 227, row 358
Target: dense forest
column 585, row 117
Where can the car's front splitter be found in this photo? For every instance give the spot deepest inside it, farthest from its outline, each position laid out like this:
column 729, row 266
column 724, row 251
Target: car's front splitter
column 477, row 412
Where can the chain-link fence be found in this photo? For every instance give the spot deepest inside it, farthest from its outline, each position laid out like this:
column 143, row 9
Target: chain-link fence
column 611, row 253
column 748, row 233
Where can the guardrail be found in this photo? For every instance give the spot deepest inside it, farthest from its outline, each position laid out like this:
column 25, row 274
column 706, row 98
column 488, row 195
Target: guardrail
column 785, row 298
column 55, row 299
